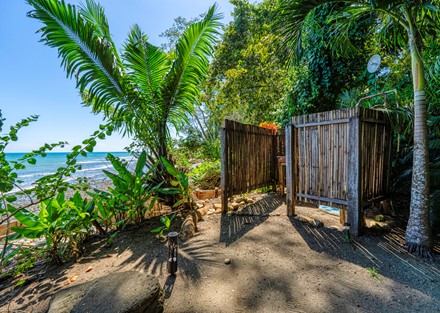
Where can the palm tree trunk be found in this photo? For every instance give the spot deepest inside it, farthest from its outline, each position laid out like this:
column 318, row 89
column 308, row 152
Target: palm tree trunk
column 418, row 232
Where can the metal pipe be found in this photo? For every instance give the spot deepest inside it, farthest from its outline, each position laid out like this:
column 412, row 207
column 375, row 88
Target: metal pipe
column 378, row 95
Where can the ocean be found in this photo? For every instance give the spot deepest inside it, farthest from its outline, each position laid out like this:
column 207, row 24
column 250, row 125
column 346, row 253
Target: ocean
column 92, row 166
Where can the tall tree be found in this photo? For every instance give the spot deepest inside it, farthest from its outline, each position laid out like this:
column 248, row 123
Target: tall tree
column 409, row 24
column 247, row 80
column 143, row 89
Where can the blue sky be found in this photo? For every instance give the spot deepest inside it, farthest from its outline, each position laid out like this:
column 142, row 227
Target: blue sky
column 33, row 83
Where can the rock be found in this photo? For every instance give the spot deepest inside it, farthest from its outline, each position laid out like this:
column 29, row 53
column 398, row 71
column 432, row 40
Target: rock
column 227, row 261
column 217, row 206
column 235, row 205
column 249, row 200
column 200, row 205
column 188, row 229
column 312, row 221
column 124, row 292
column 205, row 194
column 203, row 211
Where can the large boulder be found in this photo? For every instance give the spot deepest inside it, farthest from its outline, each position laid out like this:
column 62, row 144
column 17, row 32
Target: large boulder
column 125, row 292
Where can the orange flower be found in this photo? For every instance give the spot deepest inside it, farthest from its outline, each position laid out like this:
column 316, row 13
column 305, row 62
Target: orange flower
column 271, row 126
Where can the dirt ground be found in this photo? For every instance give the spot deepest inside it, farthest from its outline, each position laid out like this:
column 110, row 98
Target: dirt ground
column 277, row 264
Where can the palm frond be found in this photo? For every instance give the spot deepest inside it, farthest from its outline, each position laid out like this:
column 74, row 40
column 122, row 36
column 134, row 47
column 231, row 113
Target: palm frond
column 148, row 66
column 84, row 52
column 182, row 84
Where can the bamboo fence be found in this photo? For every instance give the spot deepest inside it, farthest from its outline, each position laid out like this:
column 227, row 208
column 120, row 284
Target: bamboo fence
column 248, row 158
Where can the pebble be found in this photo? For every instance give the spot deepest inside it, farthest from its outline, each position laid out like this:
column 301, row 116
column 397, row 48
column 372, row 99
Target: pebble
column 227, row 261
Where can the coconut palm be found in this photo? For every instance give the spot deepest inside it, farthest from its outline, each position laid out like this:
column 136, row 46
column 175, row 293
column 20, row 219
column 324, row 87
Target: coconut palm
column 402, row 23
column 142, row 90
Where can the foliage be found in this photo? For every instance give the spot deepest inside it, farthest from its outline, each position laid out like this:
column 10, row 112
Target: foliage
column 166, row 221
column 133, row 194
column 64, row 224
column 247, row 80
column 319, row 75
column 44, row 188
column 180, row 186
column 206, row 175
column 374, row 272
column 142, row 91
column 399, row 25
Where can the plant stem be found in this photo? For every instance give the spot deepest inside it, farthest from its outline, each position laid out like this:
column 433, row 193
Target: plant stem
column 6, row 238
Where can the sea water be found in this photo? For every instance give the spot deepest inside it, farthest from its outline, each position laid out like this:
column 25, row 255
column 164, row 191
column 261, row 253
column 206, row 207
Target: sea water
column 92, row 166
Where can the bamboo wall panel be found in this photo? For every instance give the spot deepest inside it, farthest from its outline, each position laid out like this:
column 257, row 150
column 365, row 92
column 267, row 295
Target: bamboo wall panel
column 249, row 157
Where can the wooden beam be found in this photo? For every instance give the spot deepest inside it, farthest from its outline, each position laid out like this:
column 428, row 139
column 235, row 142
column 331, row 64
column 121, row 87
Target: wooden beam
column 291, row 164
column 339, row 121
column 325, row 199
column 373, row 121
column 354, row 176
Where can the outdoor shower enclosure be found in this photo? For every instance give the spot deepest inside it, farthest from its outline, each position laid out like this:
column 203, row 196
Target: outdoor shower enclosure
column 339, row 158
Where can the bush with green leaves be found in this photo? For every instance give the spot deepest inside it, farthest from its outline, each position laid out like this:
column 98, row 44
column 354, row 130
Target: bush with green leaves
column 133, row 194
column 64, row 224
column 207, row 175
column 45, row 188
column 180, row 186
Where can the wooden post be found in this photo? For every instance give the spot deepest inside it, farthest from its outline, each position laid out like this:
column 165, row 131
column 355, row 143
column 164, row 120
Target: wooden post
column 274, row 161
column 224, row 167
column 291, row 164
column 354, row 176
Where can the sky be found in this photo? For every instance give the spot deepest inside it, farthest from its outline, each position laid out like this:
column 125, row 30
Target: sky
column 32, row 81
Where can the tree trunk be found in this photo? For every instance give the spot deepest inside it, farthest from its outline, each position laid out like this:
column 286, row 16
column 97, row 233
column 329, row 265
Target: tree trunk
column 418, row 232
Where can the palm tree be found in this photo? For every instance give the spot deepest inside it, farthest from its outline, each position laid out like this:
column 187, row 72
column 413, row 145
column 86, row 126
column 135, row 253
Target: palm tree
column 143, row 90
column 407, row 24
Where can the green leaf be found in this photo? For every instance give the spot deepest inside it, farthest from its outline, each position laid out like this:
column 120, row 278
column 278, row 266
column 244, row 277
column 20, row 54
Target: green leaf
column 32, row 161
column 158, row 229
column 11, row 199
column 24, row 216
column 141, row 163
column 170, row 168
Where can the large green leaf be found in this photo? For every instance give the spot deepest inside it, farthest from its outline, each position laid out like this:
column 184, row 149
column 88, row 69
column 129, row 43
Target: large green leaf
column 25, row 217
column 140, row 164
column 182, row 83
column 86, row 50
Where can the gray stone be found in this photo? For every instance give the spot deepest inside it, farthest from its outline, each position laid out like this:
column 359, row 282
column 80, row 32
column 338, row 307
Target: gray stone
column 125, row 292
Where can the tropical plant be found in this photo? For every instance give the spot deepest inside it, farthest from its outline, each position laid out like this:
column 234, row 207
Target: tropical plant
column 180, row 186
column 166, row 225
column 141, row 90
column 400, row 25
column 206, row 175
column 64, row 224
column 133, row 194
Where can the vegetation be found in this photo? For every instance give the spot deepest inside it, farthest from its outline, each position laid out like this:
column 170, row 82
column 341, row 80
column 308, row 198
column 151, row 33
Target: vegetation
column 400, row 25
column 142, row 90
column 191, row 85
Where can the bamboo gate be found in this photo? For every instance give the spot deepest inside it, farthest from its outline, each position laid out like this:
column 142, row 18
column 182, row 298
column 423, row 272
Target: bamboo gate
column 341, row 158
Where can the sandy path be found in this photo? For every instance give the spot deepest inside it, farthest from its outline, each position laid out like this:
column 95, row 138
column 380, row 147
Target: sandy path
column 277, row 265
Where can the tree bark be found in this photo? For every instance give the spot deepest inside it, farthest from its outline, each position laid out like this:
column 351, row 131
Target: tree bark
column 418, row 232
